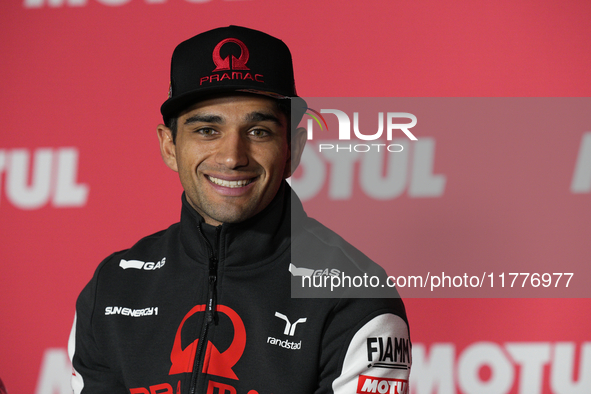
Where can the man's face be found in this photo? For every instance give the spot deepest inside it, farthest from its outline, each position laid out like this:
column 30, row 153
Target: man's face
column 231, row 154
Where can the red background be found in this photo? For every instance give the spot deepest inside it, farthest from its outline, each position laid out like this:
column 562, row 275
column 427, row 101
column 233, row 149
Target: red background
column 93, row 77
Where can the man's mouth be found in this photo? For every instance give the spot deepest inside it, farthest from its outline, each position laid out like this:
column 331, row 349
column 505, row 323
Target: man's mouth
column 230, row 184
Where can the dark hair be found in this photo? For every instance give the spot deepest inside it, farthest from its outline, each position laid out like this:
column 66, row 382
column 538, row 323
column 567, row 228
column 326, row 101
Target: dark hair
column 282, row 106
column 171, row 123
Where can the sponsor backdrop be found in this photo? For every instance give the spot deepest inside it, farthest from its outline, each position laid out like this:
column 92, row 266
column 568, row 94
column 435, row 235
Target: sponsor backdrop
column 81, row 175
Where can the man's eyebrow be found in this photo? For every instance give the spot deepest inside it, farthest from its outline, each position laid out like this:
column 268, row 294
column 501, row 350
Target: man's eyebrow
column 204, row 118
column 262, row 117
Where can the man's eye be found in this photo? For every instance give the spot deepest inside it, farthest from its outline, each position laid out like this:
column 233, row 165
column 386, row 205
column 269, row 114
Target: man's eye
column 206, row 131
column 259, row 133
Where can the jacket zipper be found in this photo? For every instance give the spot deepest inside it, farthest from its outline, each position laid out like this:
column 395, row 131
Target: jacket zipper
column 209, row 313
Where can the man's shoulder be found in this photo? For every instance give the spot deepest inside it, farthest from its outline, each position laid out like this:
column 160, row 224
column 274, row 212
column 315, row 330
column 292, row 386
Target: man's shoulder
column 315, row 243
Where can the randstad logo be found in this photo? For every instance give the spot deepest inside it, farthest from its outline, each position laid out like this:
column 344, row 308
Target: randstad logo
column 394, row 122
column 230, row 63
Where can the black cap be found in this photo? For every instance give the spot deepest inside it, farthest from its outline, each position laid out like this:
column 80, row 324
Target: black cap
column 230, row 59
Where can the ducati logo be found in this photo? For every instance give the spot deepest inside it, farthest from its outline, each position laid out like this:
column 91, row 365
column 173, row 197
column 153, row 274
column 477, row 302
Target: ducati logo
column 237, row 63
column 216, row 362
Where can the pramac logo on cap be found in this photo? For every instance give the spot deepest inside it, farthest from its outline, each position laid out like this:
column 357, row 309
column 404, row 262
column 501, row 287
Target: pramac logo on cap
column 223, row 64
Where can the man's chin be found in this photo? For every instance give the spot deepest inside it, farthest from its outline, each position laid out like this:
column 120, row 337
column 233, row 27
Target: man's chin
column 231, row 215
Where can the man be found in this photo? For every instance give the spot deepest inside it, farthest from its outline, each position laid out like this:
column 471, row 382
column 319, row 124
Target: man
column 205, row 306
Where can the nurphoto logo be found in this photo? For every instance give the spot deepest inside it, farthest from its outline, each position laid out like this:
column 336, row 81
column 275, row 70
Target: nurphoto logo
column 394, row 122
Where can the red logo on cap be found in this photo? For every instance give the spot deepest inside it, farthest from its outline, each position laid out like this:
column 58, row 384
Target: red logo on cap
column 237, row 63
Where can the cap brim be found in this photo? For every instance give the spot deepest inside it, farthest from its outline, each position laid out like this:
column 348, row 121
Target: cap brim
column 175, row 105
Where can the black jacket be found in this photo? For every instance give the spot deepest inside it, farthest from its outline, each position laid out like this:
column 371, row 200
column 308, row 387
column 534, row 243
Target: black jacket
column 202, row 309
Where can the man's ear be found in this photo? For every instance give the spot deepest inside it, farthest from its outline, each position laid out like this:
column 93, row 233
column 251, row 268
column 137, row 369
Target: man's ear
column 298, row 142
column 167, row 147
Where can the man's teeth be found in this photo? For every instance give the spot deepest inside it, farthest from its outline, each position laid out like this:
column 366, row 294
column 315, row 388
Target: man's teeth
column 223, row 182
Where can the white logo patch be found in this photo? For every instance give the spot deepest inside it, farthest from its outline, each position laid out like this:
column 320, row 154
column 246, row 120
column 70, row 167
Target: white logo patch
column 138, row 265
column 290, row 327
column 118, row 310
column 301, row 271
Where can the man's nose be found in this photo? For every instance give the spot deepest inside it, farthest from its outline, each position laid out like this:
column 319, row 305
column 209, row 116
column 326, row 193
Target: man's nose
column 233, row 151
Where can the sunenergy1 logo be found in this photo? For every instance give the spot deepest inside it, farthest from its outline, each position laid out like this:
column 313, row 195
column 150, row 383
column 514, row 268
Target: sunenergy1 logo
column 391, row 119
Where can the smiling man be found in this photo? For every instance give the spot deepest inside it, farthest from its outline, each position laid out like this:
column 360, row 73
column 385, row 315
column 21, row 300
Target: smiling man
column 232, row 154
column 206, row 305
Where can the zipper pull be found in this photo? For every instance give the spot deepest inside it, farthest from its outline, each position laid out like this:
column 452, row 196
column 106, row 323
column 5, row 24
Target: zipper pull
column 212, row 282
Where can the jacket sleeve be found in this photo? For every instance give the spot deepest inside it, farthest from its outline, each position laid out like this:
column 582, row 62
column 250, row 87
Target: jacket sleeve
column 90, row 372
column 372, row 355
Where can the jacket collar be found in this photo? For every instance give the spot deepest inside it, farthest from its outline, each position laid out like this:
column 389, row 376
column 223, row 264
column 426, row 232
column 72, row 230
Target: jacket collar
column 255, row 241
